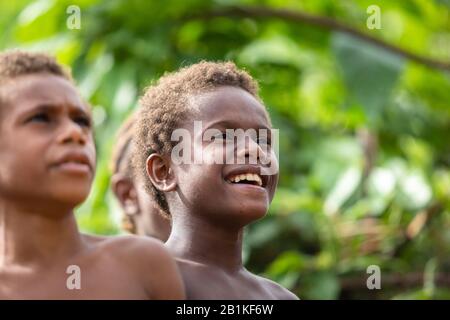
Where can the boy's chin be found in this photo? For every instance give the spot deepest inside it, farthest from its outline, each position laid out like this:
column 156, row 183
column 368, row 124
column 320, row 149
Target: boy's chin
column 248, row 213
column 71, row 197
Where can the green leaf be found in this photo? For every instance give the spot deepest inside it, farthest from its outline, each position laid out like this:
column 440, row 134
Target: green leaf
column 369, row 72
column 321, row 285
column 276, row 50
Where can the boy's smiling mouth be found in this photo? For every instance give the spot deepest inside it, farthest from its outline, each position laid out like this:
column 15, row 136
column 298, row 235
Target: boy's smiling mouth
column 247, row 176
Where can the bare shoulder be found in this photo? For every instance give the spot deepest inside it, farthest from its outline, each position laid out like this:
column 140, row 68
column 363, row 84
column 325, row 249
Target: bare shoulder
column 132, row 249
column 145, row 259
column 279, row 292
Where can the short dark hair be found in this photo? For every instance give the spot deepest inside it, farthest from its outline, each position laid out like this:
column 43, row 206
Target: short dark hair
column 15, row 63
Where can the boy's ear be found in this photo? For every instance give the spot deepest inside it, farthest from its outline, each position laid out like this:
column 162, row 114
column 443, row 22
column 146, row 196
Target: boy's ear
column 160, row 173
column 125, row 191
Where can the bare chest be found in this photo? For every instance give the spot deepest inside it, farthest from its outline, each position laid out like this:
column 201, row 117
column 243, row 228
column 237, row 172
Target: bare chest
column 71, row 282
column 216, row 286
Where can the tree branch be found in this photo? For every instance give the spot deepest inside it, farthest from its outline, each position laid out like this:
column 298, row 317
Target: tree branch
column 319, row 21
column 420, row 222
column 394, row 280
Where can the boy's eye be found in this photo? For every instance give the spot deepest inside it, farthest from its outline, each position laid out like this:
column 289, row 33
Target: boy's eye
column 222, row 136
column 40, row 117
column 83, row 121
column 264, row 141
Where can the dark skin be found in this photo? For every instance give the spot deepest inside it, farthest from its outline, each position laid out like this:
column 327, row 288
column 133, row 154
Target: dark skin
column 209, row 213
column 47, row 168
column 137, row 205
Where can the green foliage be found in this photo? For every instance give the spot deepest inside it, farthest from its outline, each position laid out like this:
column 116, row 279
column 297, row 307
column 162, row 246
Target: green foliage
column 364, row 150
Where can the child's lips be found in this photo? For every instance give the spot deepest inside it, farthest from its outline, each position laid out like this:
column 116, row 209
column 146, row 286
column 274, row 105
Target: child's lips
column 74, row 162
column 244, row 187
column 249, row 175
column 74, row 167
column 247, row 179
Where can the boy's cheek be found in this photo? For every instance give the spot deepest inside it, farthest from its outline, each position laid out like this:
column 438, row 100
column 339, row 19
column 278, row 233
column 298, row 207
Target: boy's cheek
column 20, row 176
column 198, row 180
column 213, row 155
column 273, row 187
column 271, row 165
column 93, row 155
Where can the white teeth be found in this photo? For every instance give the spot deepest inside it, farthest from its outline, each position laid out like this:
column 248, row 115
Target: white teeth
column 248, row 177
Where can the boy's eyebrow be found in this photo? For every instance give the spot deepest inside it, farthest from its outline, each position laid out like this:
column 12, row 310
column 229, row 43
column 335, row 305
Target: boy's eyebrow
column 50, row 107
column 46, row 107
column 226, row 124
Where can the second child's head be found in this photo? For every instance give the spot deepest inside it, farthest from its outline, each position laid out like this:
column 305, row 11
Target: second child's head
column 206, row 100
column 47, row 149
column 141, row 215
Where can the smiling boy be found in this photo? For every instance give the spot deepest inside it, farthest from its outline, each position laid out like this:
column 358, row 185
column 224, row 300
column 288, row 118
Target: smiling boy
column 210, row 202
column 47, row 164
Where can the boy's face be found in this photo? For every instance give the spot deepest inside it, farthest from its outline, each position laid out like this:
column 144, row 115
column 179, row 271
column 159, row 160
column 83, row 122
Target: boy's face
column 47, row 150
column 210, row 187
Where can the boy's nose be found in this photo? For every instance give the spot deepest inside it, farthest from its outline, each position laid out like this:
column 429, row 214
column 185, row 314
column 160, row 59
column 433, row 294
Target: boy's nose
column 249, row 152
column 72, row 133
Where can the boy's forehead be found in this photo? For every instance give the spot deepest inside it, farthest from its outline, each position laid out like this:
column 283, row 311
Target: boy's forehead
column 40, row 88
column 230, row 105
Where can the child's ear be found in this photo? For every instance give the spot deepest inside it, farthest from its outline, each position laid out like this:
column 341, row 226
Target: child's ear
column 125, row 191
column 160, row 173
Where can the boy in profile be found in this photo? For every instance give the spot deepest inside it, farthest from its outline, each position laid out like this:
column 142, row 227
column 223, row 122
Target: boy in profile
column 141, row 215
column 210, row 202
column 47, row 164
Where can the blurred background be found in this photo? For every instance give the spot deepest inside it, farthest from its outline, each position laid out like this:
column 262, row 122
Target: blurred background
column 359, row 90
